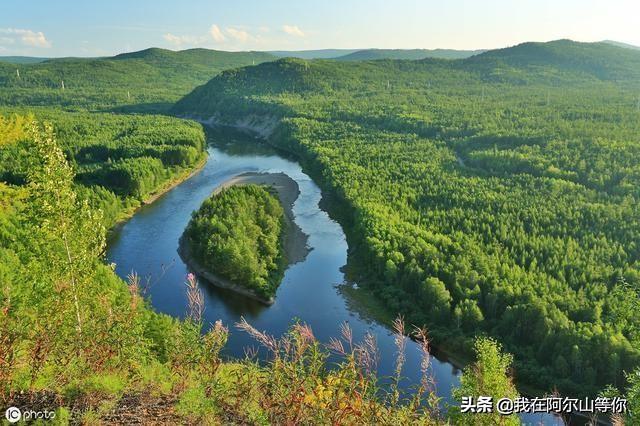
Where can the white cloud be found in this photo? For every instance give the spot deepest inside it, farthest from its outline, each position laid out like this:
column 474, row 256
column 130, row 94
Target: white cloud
column 25, row 37
column 217, row 34
column 238, row 34
column 293, row 30
column 184, row 39
column 173, row 39
column 232, row 37
column 35, row 39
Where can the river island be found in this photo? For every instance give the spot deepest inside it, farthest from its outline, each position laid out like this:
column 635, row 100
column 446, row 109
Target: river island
column 244, row 235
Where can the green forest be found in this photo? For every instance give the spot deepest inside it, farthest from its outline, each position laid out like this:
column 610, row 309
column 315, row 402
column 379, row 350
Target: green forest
column 148, row 79
column 76, row 337
column 238, row 234
column 491, row 195
column 491, row 201
column 119, row 160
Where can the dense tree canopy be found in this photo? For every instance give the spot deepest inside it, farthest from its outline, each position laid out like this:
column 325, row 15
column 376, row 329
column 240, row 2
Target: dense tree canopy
column 238, row 234
column 119, row 160
column 494, row 194
column 145, row 77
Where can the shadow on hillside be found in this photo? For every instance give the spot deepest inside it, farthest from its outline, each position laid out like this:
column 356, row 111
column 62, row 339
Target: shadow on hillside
column 144, row 108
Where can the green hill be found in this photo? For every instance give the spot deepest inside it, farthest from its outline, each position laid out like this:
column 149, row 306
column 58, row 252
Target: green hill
column 149, row 75
column 559, row 62
column 411, row 54
column 144, row 69
column 596, row 60
column 297, row 77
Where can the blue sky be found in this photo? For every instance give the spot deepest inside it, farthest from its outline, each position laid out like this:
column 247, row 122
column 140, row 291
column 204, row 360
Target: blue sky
column 91, row 28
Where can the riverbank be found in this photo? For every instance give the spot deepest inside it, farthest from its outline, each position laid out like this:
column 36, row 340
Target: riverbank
column 172, row 183
column 295, row 241
column 261, row 126
column 127, row 214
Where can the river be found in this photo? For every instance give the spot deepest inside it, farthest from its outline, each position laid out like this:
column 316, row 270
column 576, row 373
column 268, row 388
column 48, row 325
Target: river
column 310, row 290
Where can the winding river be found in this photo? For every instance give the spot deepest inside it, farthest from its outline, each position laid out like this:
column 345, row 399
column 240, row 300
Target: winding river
column 311, row 289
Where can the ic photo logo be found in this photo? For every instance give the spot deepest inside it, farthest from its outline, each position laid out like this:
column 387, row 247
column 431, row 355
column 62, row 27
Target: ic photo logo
column 13, row 414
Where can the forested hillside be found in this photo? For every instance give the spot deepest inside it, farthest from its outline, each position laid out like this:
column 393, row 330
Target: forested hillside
column 496, row 194
column 119, row 160
column 151, row 75
column 600, row 60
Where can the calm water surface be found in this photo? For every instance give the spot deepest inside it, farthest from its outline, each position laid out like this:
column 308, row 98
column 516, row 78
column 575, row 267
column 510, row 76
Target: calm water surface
column 147, row 245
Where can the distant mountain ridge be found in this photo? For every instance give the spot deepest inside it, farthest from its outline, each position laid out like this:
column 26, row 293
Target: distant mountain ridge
column 180, row 71
column 22, row 59
column 312, row 54
column 600, row 60
column 373, row 54
column 408, row 54
column 561, row 62
column 153, row 67
column 338, row 54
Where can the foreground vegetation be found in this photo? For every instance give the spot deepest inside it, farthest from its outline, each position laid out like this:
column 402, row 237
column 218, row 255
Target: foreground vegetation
column 77, row 339
column 496, row 194
column 238, row 234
